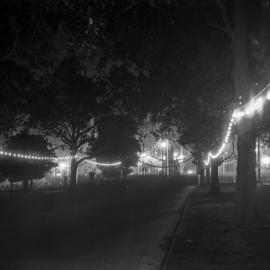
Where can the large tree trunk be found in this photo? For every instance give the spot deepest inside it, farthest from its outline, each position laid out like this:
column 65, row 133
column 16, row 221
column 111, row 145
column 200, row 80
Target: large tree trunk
column 207, row 175
column 246, row 176
column 200, row 173
column 73, row 173
column 25, row 185
column 246, row 193
column 246, row 203
column 214, row 185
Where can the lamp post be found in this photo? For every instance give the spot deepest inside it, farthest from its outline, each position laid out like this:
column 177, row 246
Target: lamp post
column 259, row 160
column 167, row 157
column 165, row 144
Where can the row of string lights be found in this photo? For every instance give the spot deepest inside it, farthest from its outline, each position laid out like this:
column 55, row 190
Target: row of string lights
column 252, row 107
column 47, row 158
column 248, row 110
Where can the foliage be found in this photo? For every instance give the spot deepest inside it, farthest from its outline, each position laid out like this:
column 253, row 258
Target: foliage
column 208, row 105
column 19, row 169
column 116, row 141
column 67, row 107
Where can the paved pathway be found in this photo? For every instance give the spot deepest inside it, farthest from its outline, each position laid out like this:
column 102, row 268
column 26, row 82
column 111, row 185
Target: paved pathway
column 129, row 240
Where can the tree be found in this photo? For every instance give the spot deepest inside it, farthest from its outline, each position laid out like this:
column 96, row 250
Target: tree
column 237, row 31
column 69, row 108
column 205, row 104
column 18, row 169
column 116, row 141
column 214, row 181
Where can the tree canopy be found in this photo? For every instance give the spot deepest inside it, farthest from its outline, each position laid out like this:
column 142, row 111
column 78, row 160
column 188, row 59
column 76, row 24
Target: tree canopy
column 18, row 169
column 116, row 141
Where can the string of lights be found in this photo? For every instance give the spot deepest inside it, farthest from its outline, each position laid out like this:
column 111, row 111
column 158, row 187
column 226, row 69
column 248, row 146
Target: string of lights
column 47, row 158
column 156, row 166
column 32, row 157
column 255, row 105
column 118, row 163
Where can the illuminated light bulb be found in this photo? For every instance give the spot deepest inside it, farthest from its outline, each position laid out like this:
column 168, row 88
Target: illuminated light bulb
column 163, row 144
column 259, row 104
column 253, row 106
column 143, row 155
column 218, row 152
column 265, row 160
column 62, row 166
column 180, row 157
column 208, row 160
column 105, row 164
column 268, row 95
column 237, row 115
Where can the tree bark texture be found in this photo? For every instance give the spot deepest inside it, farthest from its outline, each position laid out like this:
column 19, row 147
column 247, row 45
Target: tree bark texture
column 207, row 175
column 246, row 202
column 25, row 185
column 214, row 185
column 73, row 173
column 200, row 172
column 246, row 211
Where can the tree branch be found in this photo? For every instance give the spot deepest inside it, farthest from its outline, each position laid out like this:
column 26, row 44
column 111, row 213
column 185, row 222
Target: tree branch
column 15, row 30
column 83, row 159
column 219, row 27
column 228, row 26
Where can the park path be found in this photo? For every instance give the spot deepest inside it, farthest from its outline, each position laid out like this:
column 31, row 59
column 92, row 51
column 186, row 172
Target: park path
column 128, row 239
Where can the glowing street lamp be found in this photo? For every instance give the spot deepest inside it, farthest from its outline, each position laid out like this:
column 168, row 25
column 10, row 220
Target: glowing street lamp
column 165, row 144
